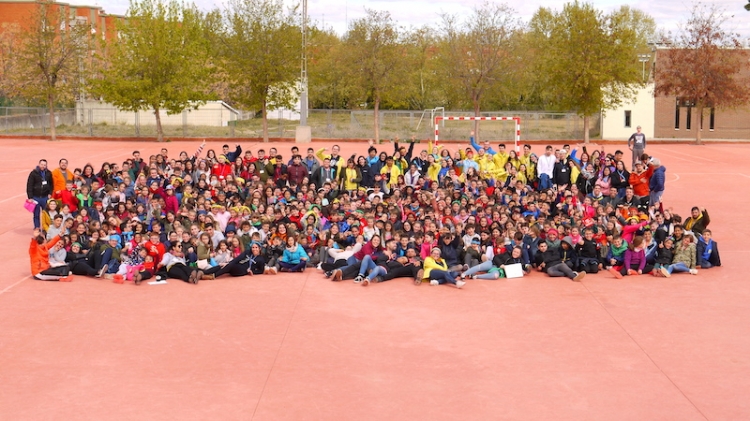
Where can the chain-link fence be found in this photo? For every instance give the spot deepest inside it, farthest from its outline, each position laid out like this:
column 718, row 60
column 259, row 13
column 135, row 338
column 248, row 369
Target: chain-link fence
column 325, row 124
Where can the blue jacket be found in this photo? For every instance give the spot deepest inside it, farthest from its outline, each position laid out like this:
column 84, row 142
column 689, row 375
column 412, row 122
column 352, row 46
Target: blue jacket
column 656, row 183
column 294, row 257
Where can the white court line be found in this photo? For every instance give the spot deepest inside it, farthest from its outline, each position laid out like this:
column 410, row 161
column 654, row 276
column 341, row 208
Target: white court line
column 692, row 156
column 8, row 288
column 11, row 198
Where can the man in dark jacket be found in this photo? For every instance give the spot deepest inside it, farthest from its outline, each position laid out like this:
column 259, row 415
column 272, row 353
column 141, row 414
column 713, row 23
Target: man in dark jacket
column 39, row 189
column 561, row 173
column 549, row 260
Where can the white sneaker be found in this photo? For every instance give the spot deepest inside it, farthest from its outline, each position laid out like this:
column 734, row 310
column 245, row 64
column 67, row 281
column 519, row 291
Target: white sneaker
column 459, row 284
column 665, row 272
column 320, row 267
column 434, row 282
column 693, row 271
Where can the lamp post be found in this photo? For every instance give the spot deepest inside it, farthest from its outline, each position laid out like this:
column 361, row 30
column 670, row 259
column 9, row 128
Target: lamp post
column 303, row 133
column 643, row 58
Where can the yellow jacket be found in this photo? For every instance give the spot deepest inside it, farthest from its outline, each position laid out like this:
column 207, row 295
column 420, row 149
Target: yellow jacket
column 430, row 264
column 340, row 164
column 394, row 171
column 500, row 159
column 433, row 171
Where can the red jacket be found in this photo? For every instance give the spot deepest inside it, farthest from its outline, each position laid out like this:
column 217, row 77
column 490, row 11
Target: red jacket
column 221, row 170
column 67, row 197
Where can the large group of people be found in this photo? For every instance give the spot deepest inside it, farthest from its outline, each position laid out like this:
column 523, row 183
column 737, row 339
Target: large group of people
column 433, row 215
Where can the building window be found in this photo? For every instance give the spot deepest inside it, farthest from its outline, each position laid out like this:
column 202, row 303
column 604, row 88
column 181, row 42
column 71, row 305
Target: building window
column 627, row 118
column 677, row 115
column 688, row 118
column 711, row 119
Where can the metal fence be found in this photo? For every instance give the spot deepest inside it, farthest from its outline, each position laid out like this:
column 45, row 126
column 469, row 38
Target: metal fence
column 326, row 124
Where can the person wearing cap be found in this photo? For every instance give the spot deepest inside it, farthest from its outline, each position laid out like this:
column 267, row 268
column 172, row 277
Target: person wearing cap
column 107, row 259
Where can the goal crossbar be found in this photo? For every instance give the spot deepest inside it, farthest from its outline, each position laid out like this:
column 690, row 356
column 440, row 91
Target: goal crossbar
column 516, row 120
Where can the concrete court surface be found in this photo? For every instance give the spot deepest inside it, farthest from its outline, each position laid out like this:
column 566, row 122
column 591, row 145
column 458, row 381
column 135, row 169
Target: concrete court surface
column 299, row 347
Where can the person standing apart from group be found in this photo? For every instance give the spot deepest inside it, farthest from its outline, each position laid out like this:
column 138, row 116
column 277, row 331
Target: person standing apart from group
column 39, row 189
column 637, row 144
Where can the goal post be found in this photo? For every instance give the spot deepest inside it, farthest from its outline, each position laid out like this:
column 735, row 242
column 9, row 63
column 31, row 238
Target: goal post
column 516, row 120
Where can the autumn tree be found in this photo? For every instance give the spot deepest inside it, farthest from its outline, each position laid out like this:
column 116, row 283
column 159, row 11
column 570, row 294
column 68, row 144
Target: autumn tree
column 703, row 65
column 587, row 61
column 43, row 60
column 260, row 49
column 329, row 88
column 424, row 87
column 375, row 55
column 160, row 60
column 477, row 54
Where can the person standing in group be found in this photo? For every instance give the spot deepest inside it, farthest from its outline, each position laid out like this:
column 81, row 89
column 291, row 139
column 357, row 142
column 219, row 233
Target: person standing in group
column 637, row 144
column 39, row 189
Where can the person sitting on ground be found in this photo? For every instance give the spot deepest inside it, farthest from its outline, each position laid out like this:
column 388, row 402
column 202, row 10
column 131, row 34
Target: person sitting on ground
column 635, row 260
column 294, row 258
column 664, row 256
column 588, row 252
column 548, row 260
column 707, row 251
column 698, row 220
column 436, row 270
column 39, row 254
column 684, row 258
column 174, row 265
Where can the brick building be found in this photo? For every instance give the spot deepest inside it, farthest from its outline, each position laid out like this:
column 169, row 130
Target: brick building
column 664, row 117
column 676, row 118
column 19, row 13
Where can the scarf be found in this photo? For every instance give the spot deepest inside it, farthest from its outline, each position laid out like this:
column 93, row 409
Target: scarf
column 692, row 221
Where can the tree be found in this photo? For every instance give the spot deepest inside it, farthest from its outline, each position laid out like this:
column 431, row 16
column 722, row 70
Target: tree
column 703, row 66
column 43, row 60
column 588, row 61
column 424, row 87
column 376, row 56
column 478, row 54
column 326, row 69
column 260, row 49
column 159, row 61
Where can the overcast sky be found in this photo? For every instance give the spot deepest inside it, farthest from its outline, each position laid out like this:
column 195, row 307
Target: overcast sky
column 336, row 13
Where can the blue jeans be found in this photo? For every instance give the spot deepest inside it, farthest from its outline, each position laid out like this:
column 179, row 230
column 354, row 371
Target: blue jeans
column 299, row 267
column 378, row 271
column 41, row 203
column 482, row 267
column 367, row 265
column 442, row 276
column 544, row 182
column 678, row 267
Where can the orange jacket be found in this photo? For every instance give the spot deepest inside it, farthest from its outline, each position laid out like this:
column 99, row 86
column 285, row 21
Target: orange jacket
column 58, row 179
column 639, row 183
column 39, row 254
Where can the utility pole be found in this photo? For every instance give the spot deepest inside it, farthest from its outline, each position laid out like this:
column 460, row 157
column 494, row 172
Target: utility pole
column 303, row 76
column 303, row 133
